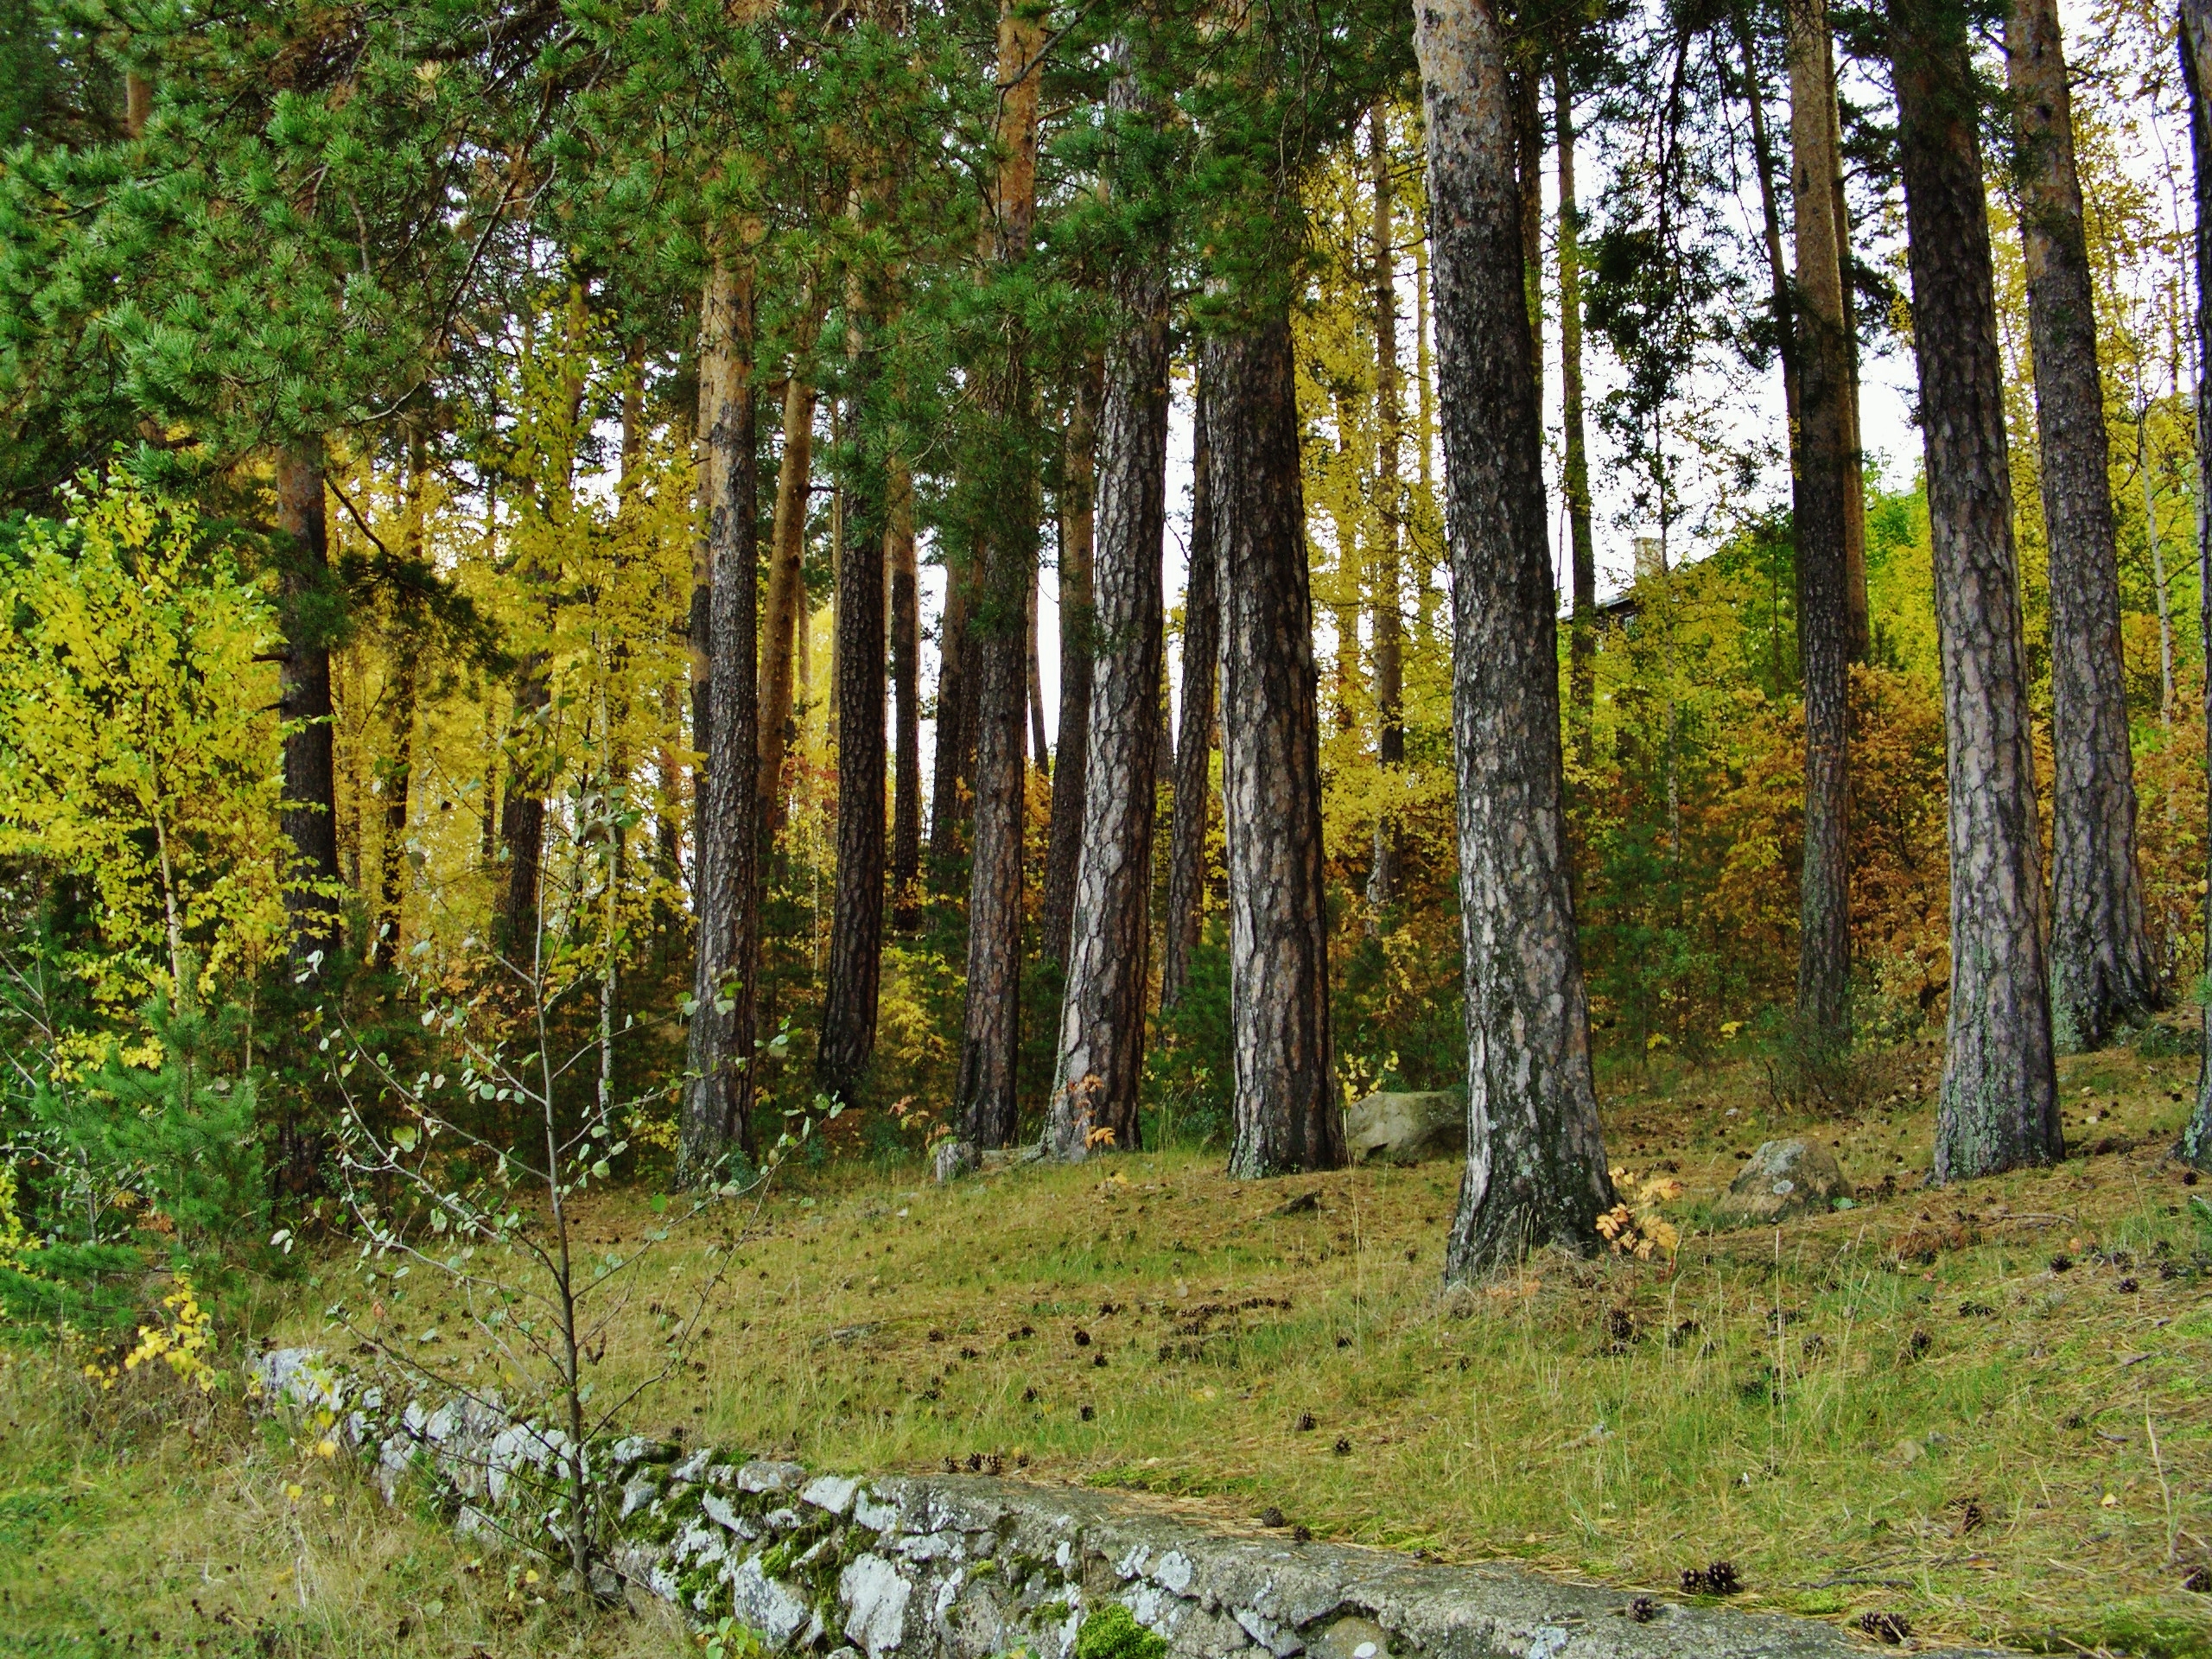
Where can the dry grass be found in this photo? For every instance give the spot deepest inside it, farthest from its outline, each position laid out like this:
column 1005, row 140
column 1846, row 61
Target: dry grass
column 1902, row 1407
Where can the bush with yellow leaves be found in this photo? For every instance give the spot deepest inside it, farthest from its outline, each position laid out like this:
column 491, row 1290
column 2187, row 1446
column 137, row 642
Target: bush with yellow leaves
column 181, row 1340
column 1634, row 1226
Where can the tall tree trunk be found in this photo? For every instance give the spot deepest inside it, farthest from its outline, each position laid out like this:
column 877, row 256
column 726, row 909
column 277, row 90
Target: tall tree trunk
column 1071, row 758
column 1999, row 1105
column 1100, row 1060
column 1770, row 210
column 849, row 1009
column 787, row 616
column 1582, row 637
column 727, row 830
column 1193, row 762
column 953, row 765
column 397, row 780
column 1390, row 492
column 399, row 772
column 309, row 817
column 1535, row 1171
column 1855, row 480
column 1822, row 463
column 1528, row 161
column 906, row 698
column 1285, row 1113
column 2195, row 49
column 522, row 815
column 1040, row 753
column 2100, row 969
column 991, row 1021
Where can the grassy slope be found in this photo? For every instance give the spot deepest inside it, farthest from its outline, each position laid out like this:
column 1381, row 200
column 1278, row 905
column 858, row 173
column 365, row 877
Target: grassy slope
column 1995, row 1480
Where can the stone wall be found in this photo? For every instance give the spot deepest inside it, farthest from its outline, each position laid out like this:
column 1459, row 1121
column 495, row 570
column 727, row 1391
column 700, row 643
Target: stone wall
column 968, row 1566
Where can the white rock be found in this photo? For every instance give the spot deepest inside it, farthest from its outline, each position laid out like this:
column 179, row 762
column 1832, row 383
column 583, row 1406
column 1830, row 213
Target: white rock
column 766, row 1477
column 1174, row 1570
column 874, row 1515
column 830, row 1492
column 875, row 1591
column 768, row 1606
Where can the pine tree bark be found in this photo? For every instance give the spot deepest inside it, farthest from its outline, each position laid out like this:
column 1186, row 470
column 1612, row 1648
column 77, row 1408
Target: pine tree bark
column 1285, row 1113
column 727, row 826
column 1855, row 480
column 309, row 816
column 398, row 778
column 2195, row 1147
column 984, row 1095
column 847, row 1045
column 522, row 816
column 904, row 578
column 1194, row 738
column 786, row 607
column 1582, row 635
column 953, row 767
column 1100, row 1060
column 2101, row 968
column 1389, row 491
column 1040, row 754
column 1535, row 1173
column 1771, row 216
column 1072, row 757
column 1528, row 157
column 1999, row 1107
column 1820, row 464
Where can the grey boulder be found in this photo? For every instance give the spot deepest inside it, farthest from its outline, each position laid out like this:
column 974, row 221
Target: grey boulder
column 1784, row 1178
column 1407, row 1129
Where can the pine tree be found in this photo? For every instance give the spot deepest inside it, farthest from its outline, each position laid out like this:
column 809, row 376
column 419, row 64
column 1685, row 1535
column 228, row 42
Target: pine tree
column 1193, row 768
column 2000, row 1106
column 718, row 1091
column 1100, row 1060
column 2101, row 969
column 2195, row 1147
column 1536, row 1171
column 1820, row 462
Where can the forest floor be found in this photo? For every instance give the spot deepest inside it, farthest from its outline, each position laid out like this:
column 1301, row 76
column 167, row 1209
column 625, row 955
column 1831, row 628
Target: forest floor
column 1987, row 1408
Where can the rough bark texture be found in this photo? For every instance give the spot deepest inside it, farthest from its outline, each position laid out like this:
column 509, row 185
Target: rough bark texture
column 398, row 774
column 904, row 579
column 522, row 815
column 2196, row 72
column 2100, row 967
column 1100, row 1060
column 1286, row 1115
column 1819, row 464
column 1582, row 637
column 991, row 1020
column 1528, row 161
column 1855, row 480
column 953, row 767
column 1535, row 1171
column 786, row 608
column 309, row 816
column 1040, row 754
column 1194, row 730
column 1072, row 757
column 848, row 1006
column 1388, row 616
column 726, row 829
column 1999, row 1107
column 1769, row 212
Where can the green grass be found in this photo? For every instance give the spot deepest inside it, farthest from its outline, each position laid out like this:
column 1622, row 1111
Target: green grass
column 150, row 1519
column 1938, row 1424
